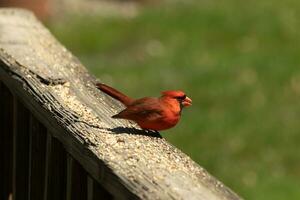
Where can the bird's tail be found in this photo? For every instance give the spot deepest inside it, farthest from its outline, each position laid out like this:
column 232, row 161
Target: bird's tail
column 114, row 93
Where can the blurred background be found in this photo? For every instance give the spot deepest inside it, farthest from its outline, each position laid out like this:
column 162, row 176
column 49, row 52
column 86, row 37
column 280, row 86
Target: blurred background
column 238, row 61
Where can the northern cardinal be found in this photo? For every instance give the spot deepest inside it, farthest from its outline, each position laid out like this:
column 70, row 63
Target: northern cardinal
column 150, row 112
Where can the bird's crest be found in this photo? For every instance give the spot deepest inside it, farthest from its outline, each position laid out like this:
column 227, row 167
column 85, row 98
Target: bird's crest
column 174, row 93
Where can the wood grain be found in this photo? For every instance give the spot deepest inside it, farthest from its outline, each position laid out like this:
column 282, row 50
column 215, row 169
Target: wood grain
column 57, row 89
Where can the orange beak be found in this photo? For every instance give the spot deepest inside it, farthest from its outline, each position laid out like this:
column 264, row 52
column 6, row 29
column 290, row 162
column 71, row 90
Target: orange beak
column 187, row 102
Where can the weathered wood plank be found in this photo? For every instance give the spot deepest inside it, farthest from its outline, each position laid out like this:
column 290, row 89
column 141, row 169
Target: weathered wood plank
column 47, row 164
column 123, row 159
column 76, row 180
column 74, row 145
column 96, row 191
column 69, row 177
column 20, row 150
column 56, row 164
column 37, row 153
column 6, row 141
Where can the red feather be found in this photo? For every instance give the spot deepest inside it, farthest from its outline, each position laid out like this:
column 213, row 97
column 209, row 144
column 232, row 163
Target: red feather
column 150, row 112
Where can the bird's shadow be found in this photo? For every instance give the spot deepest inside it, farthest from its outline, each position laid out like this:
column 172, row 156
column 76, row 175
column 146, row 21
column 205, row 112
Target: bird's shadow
column 122, row 130
column 134, row 131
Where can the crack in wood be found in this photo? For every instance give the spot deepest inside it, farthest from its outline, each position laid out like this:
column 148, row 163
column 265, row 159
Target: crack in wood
column 124, row 159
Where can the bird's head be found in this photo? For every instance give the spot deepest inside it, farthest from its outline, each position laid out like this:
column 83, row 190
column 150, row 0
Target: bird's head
column 180, row 96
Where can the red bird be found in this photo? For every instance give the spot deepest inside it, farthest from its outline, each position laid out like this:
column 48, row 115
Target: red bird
column 150, row 112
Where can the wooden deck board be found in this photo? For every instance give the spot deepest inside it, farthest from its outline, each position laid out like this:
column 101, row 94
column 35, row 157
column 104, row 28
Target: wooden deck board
column 57, row 89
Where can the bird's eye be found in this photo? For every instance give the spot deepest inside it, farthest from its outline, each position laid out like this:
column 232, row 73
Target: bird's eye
column 181, row 97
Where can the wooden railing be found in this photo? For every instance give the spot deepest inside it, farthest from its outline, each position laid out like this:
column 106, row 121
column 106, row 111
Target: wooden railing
column 58, row 140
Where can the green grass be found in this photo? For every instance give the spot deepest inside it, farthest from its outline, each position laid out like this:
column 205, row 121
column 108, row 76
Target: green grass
column 238, row 61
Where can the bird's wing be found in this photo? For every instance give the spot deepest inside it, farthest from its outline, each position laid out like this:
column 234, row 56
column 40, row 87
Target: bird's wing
column 145, row 108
